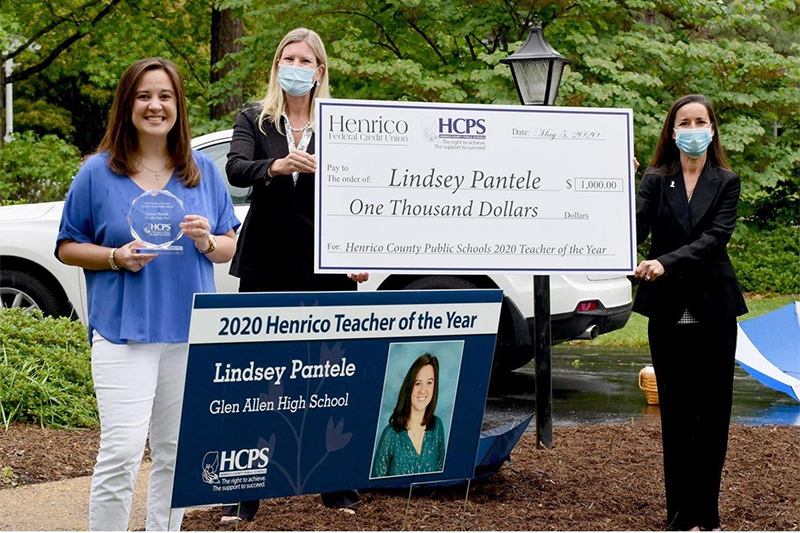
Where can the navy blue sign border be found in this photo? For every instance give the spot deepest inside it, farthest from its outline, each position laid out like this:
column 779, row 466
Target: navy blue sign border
column 472, row 384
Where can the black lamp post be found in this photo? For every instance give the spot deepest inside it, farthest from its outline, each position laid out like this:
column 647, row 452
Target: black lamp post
column 537, row 70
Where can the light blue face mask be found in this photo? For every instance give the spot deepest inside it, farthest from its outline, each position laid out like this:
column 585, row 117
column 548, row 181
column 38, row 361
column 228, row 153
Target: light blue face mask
column 296, row 81
column 693, row 142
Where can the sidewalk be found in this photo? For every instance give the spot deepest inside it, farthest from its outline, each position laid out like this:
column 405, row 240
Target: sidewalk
column 62, row 505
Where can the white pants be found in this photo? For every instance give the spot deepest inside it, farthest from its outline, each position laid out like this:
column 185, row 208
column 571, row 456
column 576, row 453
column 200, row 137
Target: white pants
column 138, row 386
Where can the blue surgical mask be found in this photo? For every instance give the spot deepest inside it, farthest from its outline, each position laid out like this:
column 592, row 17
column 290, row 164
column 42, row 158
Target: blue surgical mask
column 296, row 81
column 693, row 142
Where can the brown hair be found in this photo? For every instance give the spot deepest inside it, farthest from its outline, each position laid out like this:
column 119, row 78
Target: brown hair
column 402, row 411
column 121, row 139
column 666, row 159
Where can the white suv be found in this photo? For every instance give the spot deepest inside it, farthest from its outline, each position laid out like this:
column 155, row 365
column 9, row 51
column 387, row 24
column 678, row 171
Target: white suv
column 581, row 306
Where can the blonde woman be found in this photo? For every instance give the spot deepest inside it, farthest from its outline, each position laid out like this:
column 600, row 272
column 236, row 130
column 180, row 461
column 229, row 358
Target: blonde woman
column 272, row 151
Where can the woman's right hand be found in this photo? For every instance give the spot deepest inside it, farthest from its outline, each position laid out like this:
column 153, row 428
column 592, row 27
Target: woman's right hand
column 649, row 270
column 127, row 258
column 296, row 161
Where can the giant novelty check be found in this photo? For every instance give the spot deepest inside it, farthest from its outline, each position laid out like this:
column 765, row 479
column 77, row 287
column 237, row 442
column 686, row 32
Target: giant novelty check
column 464, row 188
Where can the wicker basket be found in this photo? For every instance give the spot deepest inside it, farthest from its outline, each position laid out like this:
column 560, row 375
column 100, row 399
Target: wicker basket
column 647, row 382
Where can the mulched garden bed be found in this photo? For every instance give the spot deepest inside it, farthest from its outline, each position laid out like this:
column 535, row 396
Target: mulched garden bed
column 605, row 477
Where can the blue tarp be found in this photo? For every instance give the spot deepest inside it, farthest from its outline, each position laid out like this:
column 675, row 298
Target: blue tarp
column 768, row 347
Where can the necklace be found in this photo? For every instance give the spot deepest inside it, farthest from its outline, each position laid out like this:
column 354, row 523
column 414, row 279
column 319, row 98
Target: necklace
column 304, row 128
column 415, row 432
column 156, row 173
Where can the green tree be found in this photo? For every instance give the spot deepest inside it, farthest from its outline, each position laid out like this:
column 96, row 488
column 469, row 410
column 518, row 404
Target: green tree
column 645, row 54
column 65, row 85
column 36, row 169
column 40, row 31
column 642, row 54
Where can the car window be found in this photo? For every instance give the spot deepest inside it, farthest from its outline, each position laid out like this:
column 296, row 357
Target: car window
column 219, row 153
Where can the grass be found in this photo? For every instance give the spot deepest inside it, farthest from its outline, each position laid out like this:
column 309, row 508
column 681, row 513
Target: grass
column 634, row 334
column 45, row 371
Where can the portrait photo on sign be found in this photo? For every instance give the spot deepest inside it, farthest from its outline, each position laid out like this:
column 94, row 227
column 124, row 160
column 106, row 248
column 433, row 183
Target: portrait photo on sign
column 419, row 393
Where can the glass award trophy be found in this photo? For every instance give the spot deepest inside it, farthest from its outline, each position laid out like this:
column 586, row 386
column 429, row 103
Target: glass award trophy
column 155, row 219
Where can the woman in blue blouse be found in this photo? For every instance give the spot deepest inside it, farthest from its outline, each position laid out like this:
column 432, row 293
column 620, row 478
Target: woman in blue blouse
column 413, row 441
column 139, row 304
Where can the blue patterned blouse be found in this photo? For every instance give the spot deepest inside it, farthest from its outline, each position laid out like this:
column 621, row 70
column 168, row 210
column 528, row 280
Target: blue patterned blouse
column 396, row 455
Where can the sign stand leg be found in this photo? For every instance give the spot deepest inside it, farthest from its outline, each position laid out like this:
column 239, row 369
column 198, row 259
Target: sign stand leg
column 543, row 352
column 463, row 513
column 408, row 507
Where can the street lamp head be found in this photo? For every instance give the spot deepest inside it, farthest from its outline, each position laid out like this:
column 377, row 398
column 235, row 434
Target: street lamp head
column 537, row 69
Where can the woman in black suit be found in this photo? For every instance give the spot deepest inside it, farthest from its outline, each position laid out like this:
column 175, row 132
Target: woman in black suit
column 687, row 201
column 272, row 151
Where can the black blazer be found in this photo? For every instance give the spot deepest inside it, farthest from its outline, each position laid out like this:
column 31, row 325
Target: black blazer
column 689, row 240
column 276, row 244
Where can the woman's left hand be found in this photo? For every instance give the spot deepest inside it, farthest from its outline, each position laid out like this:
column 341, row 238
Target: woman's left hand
column 649, row 270
column 359, row 277
column 198, row 229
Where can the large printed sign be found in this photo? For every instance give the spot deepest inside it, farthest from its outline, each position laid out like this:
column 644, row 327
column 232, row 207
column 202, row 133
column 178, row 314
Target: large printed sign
column 295, row 393
column 449, row 188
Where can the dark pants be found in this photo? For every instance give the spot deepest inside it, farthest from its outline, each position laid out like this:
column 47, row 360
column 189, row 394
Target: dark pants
column 336, row 500
column 694, row 371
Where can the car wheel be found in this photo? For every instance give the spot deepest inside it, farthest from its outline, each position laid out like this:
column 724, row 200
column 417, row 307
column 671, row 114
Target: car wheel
column 453, row 282
column 21, row 290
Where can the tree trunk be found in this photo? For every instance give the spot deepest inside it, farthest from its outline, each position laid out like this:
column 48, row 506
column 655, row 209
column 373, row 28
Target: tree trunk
column 226, row 29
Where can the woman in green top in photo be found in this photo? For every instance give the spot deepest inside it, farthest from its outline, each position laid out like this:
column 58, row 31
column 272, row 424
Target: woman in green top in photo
column 413, row 440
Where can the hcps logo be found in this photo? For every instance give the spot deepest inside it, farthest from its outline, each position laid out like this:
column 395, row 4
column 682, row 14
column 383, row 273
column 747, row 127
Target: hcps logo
column 157, row 228
column 233, row 463
column 443, row 128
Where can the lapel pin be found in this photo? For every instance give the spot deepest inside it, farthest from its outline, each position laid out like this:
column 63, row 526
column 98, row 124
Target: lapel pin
column 672, row 184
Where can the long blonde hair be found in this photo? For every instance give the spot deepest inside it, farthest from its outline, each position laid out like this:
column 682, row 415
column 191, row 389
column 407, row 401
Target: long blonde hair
column 273, row 103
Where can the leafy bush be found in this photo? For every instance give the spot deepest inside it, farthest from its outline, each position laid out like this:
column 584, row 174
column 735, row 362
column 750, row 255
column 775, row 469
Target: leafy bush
column 45, row 371
column 766, row 261
column 36, row 169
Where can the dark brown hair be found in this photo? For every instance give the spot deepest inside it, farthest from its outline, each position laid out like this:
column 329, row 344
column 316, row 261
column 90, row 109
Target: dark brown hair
column 402, row 411
column 666, row 159
column 121, row 139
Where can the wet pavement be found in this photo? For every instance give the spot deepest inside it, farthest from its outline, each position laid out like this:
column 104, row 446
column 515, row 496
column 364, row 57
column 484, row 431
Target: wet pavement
column 599, row 385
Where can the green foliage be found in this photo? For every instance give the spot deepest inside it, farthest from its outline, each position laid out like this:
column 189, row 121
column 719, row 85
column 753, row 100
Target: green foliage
column 734, row 52
column 768, row 261
column 36, row 169
column 641, row 54
column 45, row 371
column 80, row 82
column 7, row 476
column 42, row 117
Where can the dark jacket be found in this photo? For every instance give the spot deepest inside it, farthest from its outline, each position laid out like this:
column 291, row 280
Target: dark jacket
column 689, row 240
column 276, row 244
